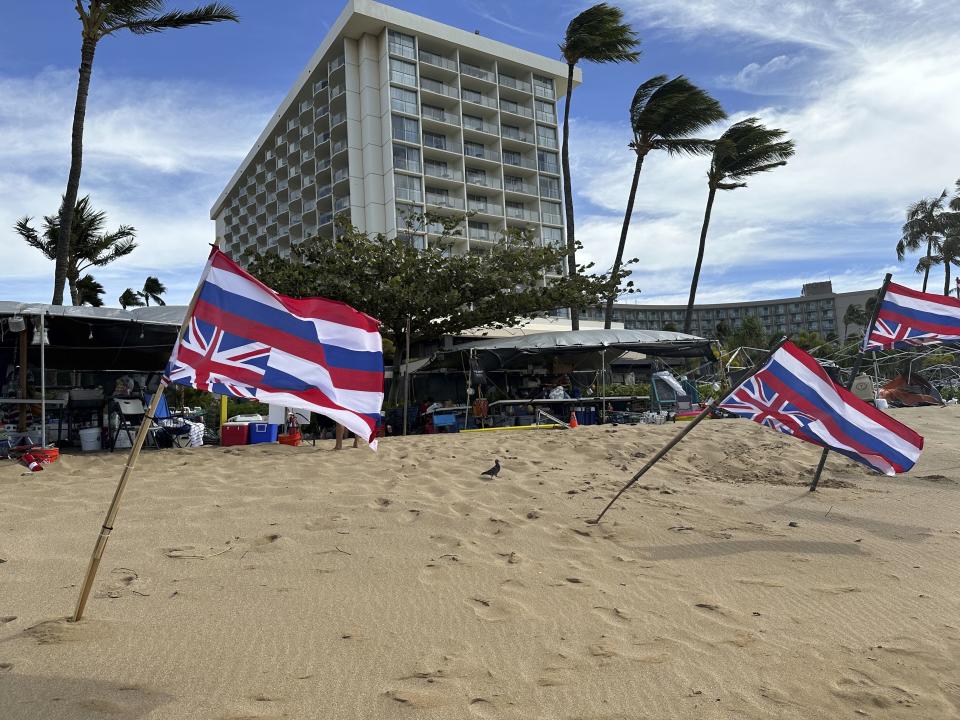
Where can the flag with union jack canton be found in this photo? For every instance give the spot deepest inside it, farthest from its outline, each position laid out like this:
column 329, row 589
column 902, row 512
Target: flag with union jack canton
column 245, row 340
column 908, row 318
column 793, row 395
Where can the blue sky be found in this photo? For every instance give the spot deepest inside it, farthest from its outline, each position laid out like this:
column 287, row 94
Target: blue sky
column 870, row 92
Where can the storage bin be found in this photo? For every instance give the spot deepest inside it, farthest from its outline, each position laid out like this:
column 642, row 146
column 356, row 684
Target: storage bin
column 234, row 434
column 90, row 439
column 262, row 433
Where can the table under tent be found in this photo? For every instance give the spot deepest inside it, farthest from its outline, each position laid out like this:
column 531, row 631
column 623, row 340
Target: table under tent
column 513, row 381
column 62, row 366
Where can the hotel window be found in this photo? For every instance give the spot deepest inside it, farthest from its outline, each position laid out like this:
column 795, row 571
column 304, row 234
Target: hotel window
column 471, row 95
column 472, row 122
column 435, row 140
column 551, row 213
column 477, row 202
column 407, row 188
column 401, row 44
column 552, row 236
column 543, row 86
column 545, row 111
column 548, row 161
column 477, row 177
column 403, row 100
column 546, row 136
column 511, row 157
column 406, row 129
column 403, row 72
column 473, row 149
column 510, row 106
column 406, row 158
column 437, row 168
column 550, row 187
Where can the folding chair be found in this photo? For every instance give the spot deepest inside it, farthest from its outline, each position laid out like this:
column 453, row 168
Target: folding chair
column 176, row 428
column 130, row 413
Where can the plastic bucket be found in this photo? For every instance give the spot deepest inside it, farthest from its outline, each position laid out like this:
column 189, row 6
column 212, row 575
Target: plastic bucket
column 881, row 403
column 90, row 439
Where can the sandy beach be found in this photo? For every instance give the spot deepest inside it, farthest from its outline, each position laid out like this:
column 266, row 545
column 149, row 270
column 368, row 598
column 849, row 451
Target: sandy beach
column 276, row 582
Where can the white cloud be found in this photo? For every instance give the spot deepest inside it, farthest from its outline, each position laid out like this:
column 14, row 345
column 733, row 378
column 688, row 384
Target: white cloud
column 875, row 130
column 156, row 155
column 757, row 78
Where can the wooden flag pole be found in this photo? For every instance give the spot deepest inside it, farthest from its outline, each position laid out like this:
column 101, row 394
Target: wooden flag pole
column 145, row 424
column 857, row 363
column 683, row 433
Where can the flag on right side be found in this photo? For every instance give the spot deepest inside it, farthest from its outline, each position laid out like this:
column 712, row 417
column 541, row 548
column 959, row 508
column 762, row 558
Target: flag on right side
column 908, row 318
column 792, row 394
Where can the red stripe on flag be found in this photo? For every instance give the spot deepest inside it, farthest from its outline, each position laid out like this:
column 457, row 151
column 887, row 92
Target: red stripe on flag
column 343, row 378
column 915, row 323
column 895, row 289
column 314, row 307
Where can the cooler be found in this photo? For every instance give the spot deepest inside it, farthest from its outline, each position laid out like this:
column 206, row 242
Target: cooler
column 262, row 432
column 234, row 434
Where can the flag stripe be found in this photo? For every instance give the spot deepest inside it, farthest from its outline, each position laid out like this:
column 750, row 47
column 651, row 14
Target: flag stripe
column 336, row 312
column 908, row 317
column 361, row 376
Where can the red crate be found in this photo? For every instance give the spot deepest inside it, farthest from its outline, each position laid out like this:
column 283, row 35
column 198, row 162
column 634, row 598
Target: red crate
column 234, row 434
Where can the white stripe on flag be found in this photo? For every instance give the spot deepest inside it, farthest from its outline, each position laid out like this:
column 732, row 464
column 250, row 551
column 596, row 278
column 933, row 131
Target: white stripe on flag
column 925, row 306
column 822, row 432
column 331, row 333
column 319, row 377
column 353, row 422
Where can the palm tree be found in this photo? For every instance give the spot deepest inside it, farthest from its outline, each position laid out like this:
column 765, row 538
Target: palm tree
column 130, row 298
column 89, row 291
column 662, row 115
column 854, row 315
column 948, row 251
column 100, row 18
column 152, row 290
column 745, row 149
column 923, row 226
column 599, row 35
column 90, row 246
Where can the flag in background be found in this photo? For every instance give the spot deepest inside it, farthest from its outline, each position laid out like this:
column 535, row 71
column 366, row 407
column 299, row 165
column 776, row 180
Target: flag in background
column 908, row 318
column 245, row 340
column 792, row 394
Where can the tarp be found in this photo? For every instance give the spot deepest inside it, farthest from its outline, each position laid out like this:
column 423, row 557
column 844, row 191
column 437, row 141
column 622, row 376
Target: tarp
column 516, row 352
column 89, row 338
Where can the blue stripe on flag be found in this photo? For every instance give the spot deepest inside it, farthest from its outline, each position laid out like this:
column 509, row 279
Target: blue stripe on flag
column 947, row 322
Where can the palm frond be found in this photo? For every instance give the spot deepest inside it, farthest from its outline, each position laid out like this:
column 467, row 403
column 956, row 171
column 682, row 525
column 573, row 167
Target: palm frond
column 748, row 148
column 599, row 35
column 33, row 239
column 140, row 20
column 686, row 146
column 672, row 109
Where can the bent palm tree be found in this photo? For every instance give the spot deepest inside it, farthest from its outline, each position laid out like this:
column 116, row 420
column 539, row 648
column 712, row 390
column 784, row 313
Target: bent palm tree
column 745, row 149
column 100, row 18
column 130, row 298
column 90, row 246
column 947, row 252
column 152, row 290
column 89, row 291
column 599, row 35
column 662, row 115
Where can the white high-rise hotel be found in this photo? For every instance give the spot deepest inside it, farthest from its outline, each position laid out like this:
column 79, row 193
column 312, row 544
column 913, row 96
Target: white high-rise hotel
column 396, row 114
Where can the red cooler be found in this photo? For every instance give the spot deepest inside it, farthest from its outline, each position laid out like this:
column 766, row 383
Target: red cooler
column 234, row 434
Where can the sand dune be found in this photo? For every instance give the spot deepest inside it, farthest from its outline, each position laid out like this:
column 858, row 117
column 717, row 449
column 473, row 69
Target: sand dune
column 275, row 582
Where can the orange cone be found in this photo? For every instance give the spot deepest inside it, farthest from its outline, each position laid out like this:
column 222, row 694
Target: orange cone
column 573, row 420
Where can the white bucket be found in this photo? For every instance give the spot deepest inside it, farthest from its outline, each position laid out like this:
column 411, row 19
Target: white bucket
column 90, row 439
column 881, row 404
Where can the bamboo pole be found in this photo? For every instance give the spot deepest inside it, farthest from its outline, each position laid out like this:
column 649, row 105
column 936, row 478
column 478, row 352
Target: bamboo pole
column 683, row 433
column 857, row 363
column 107, row 526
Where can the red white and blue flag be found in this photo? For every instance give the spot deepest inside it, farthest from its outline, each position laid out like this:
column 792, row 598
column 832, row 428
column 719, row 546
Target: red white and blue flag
column 244, row 339
column 792, row 394
column 908, row 318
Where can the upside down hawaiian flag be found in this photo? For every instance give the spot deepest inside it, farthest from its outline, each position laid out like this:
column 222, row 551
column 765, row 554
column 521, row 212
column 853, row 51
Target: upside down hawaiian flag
column 244, row 339
column 908, row 318
column 792, row 394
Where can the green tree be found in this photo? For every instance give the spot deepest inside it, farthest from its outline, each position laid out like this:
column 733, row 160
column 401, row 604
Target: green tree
column 854, row 315
column 663, row 115
column 152, row 290
column 130, row 298
column 670, row 327
column 89, row 291
column 98, row 19
column 439, row 292
column 745, row 149
column 90, row 246
column 749, row 334
column 599, row 35
column 946, row 254
column 925, row 226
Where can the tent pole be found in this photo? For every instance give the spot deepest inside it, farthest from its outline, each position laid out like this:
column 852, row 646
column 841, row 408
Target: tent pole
column 603, row 386
column 856, row 369
column 43, row 382
column 22, row 417
column 145, row 424
column 406, row 376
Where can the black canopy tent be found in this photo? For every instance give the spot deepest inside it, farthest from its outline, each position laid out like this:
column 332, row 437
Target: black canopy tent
column 583, row 349
column 89, row 338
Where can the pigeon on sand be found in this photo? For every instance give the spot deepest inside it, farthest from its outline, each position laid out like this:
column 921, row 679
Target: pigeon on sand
column 492, row 472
